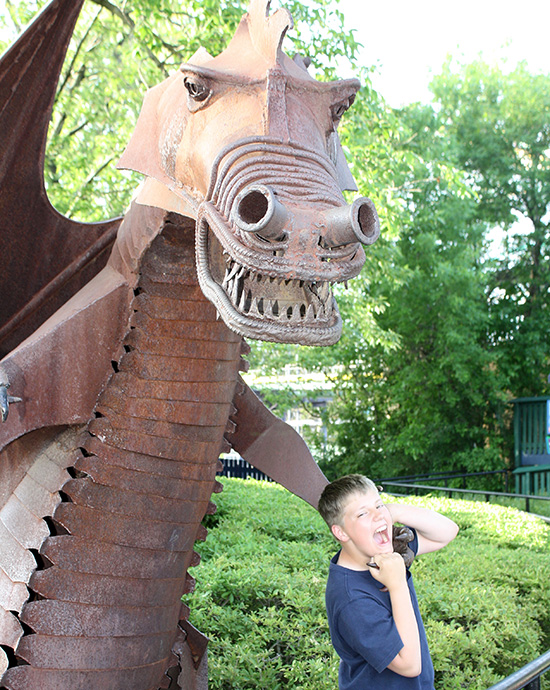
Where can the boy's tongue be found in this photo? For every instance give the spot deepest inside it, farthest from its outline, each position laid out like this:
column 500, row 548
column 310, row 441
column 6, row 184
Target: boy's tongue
column 381, row 537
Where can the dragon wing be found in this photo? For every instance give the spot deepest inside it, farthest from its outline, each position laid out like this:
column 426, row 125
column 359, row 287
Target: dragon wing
column 46, row 257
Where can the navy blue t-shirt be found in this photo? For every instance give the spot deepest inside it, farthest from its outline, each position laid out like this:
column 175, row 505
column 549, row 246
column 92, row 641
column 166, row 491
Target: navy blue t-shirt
column 364, row 633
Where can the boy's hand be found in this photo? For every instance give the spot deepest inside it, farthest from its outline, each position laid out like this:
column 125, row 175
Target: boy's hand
column 391, row 570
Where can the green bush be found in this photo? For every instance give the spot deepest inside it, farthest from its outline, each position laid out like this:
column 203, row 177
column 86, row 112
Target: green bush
column 485, row 599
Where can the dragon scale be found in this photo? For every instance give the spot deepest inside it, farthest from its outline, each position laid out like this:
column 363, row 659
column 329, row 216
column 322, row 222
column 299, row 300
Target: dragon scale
column 132, row 514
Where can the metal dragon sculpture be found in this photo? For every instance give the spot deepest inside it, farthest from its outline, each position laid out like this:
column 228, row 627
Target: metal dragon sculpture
column 121, row 382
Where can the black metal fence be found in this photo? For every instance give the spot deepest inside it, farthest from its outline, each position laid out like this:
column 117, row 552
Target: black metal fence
column 461, row 479
column 486, row 493
column 240, row 469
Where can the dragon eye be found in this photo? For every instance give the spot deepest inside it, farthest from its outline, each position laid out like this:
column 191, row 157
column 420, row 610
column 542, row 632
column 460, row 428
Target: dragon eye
column 339, row 109
column 197, row 90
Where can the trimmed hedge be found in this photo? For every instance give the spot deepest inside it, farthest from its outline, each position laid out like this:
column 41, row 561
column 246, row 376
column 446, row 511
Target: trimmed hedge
column 485, row 599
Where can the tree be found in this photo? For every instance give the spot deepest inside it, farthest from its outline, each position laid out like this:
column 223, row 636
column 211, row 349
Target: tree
column 471, row 325
column 500, row 127
column 432, row 403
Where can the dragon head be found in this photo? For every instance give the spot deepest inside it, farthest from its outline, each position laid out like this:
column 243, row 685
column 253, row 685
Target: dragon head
column 246, row 143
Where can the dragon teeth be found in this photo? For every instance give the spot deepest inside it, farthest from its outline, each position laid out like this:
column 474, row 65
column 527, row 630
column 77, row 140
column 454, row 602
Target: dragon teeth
column 234, row 291
column 242, row 301
column 295, row 318
column 254, row 307
column 231, row 273
column 241, row 284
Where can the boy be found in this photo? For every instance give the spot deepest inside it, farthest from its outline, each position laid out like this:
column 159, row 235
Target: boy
column 373, row 615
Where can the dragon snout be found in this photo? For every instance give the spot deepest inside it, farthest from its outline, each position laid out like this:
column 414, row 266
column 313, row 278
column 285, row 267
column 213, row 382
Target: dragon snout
column 257, row 210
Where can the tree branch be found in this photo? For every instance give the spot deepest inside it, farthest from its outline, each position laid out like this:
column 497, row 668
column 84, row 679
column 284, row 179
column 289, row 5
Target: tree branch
column 87, row 181
column 75, row 56
column 113, row 9
column 126, row 19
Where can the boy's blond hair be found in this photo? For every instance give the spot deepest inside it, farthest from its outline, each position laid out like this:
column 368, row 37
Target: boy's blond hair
column 336, row 494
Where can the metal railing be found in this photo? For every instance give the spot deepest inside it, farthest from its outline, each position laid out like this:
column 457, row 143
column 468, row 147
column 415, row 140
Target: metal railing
column 475, row 492
column 532, row 480
column 240, row 469
column 446, row 476
column 527, row 677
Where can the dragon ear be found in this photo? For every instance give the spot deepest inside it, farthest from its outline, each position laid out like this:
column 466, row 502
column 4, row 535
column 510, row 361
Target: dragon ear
column 200, row 57
column 343, row 173
column 143, row 153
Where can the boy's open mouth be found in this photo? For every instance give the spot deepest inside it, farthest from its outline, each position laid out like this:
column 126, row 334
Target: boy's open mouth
column 381, row 535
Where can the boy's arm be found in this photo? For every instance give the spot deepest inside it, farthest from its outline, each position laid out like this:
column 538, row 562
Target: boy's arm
column 434, row 530
column 391, row 573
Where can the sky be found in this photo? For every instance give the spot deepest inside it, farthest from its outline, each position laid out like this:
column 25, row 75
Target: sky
column 410, row 39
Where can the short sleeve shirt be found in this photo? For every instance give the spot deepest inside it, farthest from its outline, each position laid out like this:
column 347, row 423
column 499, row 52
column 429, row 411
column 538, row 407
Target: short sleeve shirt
column 364, row 633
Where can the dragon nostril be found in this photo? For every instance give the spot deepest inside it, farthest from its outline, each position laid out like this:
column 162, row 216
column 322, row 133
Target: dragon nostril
column 350, row 224
column 253, row 207
column 258, row 211
column 368, row 220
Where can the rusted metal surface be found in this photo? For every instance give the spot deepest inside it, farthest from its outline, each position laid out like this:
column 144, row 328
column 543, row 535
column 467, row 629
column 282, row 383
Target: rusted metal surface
column 131, row 390
column 258, row 431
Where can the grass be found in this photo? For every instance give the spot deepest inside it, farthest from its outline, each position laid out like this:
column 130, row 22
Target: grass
column 485, row 599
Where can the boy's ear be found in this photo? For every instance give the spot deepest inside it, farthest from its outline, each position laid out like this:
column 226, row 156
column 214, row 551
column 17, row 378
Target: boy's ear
column 339, row 533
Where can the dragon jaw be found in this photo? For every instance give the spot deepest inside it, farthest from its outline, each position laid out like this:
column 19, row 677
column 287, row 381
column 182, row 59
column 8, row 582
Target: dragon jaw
column 261, row 303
